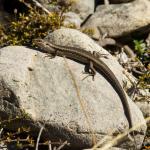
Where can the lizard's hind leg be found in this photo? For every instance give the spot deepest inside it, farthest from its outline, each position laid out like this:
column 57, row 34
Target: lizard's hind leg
column 51, row 55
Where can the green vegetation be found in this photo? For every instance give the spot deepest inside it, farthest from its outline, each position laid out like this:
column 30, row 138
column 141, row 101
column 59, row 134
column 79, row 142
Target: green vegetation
column 3, row 36
column 143, row 53
column 88, row 31
column 28, row 27
column 139, row 47
column 34, row 24
column 142, row 50
column 144, row 80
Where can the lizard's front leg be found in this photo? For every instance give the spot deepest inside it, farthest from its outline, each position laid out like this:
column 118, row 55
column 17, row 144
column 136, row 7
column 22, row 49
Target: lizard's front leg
column 51, row 55
column 90, row 70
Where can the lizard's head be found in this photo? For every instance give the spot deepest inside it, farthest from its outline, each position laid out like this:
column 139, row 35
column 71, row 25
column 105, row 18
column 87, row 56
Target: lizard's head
column 44, row 45
column 38, row 42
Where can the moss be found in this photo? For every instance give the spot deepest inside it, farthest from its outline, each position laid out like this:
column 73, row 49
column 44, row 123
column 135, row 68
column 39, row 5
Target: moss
column 144, row 80
column 88, row 31
column 35, row 24
column 28, row 27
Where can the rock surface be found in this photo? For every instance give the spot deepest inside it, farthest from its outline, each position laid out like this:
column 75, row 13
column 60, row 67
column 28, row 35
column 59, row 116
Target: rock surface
column 72, row 18
column 122, row 19
column 46, row 90
column 145, row 107
column 83, row 8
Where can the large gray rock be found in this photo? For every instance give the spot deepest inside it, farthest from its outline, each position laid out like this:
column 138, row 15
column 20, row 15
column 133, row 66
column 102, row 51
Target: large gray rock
column 72, row 18
column 46, row 90
column 83, row 8
column 122, row 19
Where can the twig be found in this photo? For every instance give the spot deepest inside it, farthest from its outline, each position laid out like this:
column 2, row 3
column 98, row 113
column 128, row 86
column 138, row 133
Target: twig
column 62, row 145
column 54, row 148
column 1, row 130
column 119, row 137
column 104, row 140
column 106, row 2
column 41, row 7
column 38, row 139
column 37, row 4
column 49, row 145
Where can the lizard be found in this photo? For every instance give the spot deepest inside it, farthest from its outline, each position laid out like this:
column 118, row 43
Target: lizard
column 94, row 62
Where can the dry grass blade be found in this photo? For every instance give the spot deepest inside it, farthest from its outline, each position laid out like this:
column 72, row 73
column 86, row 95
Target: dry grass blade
column 41, row 7
column 49, row 145
column 80, row 101
column 62, row 145
column 111, row 143
column 1, row 130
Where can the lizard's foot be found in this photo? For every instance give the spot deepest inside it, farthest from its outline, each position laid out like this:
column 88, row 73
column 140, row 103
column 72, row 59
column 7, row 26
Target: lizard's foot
column 90, row 70
column 50, row 56
column 89, row 74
